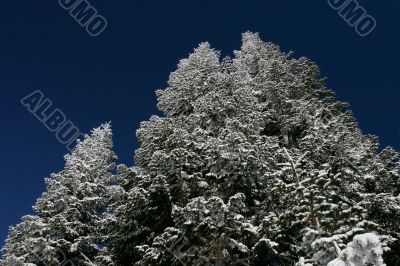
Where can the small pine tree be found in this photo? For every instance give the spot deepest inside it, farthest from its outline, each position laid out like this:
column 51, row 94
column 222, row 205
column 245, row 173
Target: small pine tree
column 67, row 225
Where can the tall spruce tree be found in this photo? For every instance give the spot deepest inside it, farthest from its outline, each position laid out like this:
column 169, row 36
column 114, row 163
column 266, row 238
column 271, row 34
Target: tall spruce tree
column 253, row 163
column 67, row 227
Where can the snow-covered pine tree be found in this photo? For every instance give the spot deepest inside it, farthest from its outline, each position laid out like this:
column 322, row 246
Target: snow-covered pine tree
column 67, row 225
column 254, row 163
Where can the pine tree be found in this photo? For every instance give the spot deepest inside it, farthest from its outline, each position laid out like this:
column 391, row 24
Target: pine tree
column 67, row 225
column 260, row 132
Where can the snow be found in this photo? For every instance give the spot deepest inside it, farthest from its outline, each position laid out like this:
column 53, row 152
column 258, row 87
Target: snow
column 365, row 249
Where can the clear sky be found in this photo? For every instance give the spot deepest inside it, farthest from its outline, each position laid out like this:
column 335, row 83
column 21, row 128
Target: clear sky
column 113, row 77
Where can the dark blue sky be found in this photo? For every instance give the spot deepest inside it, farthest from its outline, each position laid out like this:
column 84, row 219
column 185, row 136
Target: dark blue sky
column 113, row 77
